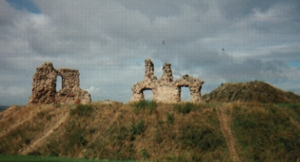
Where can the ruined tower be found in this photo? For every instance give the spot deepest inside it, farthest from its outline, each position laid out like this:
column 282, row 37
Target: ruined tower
column 167, row 73
column 149, row 70
column 44, row 86
column 194, row 85
column 149, row 82
column 71, row 92
column 165, row 89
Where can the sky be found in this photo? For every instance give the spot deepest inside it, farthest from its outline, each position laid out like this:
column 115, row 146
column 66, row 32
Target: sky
column 217, row 41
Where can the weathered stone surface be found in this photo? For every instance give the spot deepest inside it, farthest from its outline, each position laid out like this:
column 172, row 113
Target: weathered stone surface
column 167, row 94
column 167, row 75
column 44, row 86
column 149, row 82
column 194, row 84
column 149, row 70
column 71, row 92
column 165, row 89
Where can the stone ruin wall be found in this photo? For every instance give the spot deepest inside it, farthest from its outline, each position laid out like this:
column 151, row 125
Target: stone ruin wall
column 44, row 86
column 148, row 82
column 165, row 89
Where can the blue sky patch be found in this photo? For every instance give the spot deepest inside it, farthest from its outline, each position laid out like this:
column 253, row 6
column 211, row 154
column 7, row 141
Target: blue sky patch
column 293, row 63
column 27, row 5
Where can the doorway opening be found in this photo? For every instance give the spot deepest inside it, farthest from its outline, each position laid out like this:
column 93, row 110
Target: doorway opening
column 185, row 94
column 58, row 83
column 148, row 94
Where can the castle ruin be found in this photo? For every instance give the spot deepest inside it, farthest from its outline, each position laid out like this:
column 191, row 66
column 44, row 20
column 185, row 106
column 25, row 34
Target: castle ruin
column 165, row 89
column 44, row 86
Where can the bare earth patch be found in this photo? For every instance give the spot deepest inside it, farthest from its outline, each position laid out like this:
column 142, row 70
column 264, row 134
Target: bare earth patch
column 225, row 127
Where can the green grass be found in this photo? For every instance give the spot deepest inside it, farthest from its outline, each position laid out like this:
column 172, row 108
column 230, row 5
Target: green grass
column 180, row 132
column 203, row 138
column 82, row 110
column 144, row 105
column 137, row 129
column 295, row 107
column 265, row 132
column 186, row 108
column 17, row 158
column 170, row 118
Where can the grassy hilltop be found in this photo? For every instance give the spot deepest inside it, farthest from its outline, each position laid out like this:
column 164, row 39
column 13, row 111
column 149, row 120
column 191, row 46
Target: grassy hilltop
column 255, row 91
column 150, row 131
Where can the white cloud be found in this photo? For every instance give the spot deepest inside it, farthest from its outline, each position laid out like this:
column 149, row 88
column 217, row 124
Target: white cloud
column 108, row 41
column 93, row 89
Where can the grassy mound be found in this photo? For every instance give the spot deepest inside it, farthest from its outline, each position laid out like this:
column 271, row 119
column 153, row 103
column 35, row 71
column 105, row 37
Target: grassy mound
column 267, row 132
column 153, row 131
column 144, row 130
column 255, row 91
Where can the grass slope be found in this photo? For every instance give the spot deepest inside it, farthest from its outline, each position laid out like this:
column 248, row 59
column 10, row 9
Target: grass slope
column 255, row 91
column 154, row 131
column 18, row 158
column 267, row 132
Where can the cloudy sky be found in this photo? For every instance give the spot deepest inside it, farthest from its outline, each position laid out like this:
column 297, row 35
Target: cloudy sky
column 108, row 40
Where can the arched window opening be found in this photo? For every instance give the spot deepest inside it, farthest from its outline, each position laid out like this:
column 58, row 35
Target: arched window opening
column 185, row 94
column 58, row 83
column 148, row 94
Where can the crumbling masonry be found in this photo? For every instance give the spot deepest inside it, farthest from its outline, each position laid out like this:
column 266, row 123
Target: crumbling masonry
column 44, row 86
column 165, row 89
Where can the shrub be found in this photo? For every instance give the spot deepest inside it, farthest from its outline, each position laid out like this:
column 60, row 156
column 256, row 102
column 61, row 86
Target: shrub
column 158, row 137
column 186, row 108
column 266, row 132
column 137, row 129
column 145, row 105
column 82, row 110
column 203, row 138
column 170, row 118
column 58, row 105
column 41, row 115
column 77, row 138
column 292, row 106
column 145, row 154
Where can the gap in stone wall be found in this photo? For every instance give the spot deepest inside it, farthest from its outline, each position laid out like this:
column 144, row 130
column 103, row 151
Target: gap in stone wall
column 148, row 95
column 58, row 83
column 185, row 94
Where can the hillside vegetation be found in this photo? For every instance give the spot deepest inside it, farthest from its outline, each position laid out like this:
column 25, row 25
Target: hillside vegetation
column 144, row 130
column 31, row 158
column 251, row 121
column 153, row 131
column 255, row 91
